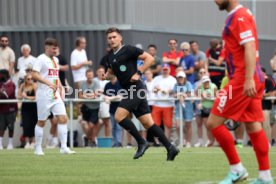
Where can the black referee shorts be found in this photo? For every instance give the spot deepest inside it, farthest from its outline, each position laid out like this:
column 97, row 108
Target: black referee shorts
column 137, row 106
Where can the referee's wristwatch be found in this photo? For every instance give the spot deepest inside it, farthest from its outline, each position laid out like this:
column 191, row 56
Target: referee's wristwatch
column 139, row 72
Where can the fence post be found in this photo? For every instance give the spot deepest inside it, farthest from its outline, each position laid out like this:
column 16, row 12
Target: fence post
column 180, row 125
column 71, row 123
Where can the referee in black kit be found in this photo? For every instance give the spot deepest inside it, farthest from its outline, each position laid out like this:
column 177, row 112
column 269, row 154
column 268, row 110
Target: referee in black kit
column 122, row 62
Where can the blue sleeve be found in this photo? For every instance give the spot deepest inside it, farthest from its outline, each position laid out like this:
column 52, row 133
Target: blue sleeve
column 175, row 89
column 190, row 87
column 191, row 61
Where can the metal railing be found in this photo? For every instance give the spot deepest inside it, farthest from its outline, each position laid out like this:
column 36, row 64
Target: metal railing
column 71, row 102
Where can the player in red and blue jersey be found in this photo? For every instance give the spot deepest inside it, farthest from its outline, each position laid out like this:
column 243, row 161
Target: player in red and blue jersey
column 241, row 99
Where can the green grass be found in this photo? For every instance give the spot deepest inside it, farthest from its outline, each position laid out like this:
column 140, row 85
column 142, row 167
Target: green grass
column 116, row 166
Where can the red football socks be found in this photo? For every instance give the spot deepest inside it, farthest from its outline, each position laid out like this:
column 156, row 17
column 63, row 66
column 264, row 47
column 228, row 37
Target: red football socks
column 261, row 147
column 227, row 143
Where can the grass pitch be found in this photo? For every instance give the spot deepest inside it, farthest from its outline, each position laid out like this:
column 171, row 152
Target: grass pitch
column 116, row 166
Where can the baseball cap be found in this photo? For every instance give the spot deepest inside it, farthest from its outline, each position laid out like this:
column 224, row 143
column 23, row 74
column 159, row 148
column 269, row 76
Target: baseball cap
column 165, row 66
column 181, row 74
column 205, row 78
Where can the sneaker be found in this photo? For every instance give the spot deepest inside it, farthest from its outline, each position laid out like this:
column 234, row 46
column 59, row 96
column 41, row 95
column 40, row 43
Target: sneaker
column 85, row 141
column 27, row 146
column 209, row 144
column 188, row 145
column 239, row 145
column 172, row 153
column 10, row 147
column 141, row 150
column 66, row 151
column 128, row 146
column 260, row 181
column 273, row 143
column 32, row 145
column 38, row 151
column 198, row 144
column 234, row 177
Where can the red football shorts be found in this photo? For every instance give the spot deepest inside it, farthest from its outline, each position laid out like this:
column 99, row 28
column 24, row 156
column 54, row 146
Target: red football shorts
column 232, row 104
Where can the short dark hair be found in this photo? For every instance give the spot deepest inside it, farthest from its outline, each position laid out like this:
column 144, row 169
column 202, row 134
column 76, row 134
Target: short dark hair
column 214, row 43
column 5, row 73
column 88, row 71
column 152, row 45
column 51, row 42
column 172, row 39
column 263, row 69
column 4, row 35
column 192, row 42
column 113, row 29
column 78, row 40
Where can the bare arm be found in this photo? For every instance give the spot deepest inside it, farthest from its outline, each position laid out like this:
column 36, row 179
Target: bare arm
column 190, row 71
column 250, row 64
column 218, row 61
column 64, row 68
column 78, row 66
column 148, row 61
column 20, row 96
column 11, row 66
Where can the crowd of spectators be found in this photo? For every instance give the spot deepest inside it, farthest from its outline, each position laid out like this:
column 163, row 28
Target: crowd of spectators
column 184, row 71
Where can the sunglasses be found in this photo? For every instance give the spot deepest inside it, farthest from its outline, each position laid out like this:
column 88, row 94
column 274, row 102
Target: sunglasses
column 185, row 49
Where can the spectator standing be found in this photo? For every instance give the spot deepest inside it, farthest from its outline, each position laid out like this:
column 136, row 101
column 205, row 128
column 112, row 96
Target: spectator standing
column 187, row 61
column 63, row 67
column 181, row 90
column 172, row 57
column 163, row 110
column 25, row 62
column 267, row 104
column 157, row 66
column 199, row 57
column 199, row 120
column 207, row 91
column 111, row 92
column 215, row 64
column 27, row 91
column 7, row 111
column 7, row 56
column 79, row 62
column 90, row 110
column 273, row 66
column 104, row 114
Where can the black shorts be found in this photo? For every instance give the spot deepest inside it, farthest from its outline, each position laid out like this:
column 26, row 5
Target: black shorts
column 138, row 107
column 90, row 115
column 7, row 120
column 205, row 113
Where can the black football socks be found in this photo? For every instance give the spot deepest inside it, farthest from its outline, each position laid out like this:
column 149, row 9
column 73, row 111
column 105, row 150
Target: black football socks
column 130, row 127
column 158, row 133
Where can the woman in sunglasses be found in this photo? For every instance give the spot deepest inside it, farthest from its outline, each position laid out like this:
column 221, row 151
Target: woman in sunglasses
column 27, row 91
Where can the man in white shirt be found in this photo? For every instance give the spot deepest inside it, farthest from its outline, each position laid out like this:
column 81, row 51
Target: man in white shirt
column 48, row 96
column 26, row 61
column 163, row 110
column 7, row 56
column 79, row 62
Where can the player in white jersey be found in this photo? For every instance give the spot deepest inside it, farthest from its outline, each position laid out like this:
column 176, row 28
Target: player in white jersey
column 48, row 96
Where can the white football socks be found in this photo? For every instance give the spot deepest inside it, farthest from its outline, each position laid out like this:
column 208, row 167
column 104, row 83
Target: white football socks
column 236, row 168
column 38, row 135
column 62, row 134
column 265, row 175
